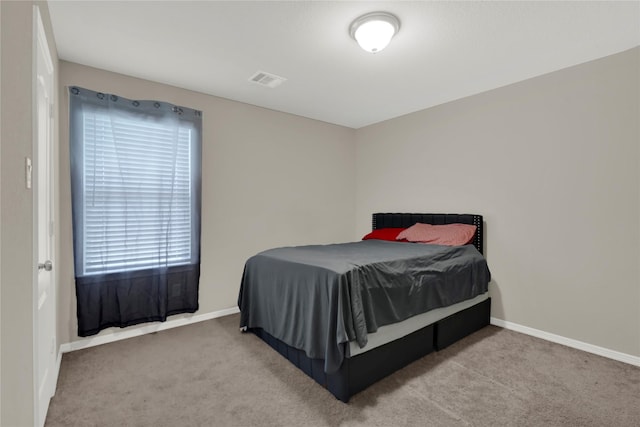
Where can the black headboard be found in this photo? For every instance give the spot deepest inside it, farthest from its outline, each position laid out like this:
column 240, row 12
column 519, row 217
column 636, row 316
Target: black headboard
column 404, row 220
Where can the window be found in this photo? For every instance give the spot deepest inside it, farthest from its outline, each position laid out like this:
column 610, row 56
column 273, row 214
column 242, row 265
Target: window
column 137, row 204
column 135, row 169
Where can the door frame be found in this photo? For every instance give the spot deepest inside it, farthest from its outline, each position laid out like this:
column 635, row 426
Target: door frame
column 40, row 43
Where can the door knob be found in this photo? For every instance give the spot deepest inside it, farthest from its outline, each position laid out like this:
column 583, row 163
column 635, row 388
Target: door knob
column 47, row 266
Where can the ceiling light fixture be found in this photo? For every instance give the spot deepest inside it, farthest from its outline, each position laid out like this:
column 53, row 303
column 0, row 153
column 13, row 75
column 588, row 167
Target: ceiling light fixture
column 374, row 31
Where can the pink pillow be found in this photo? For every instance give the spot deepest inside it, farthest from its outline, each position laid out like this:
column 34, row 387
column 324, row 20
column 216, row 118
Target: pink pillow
column 448, row 234
column 384, row 234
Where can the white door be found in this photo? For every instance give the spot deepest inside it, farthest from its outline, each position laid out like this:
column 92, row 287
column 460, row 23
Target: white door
column 45, row 297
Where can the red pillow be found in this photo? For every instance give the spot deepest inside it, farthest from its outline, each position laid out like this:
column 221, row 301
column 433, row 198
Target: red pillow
column 389, row 234
column 448, row 234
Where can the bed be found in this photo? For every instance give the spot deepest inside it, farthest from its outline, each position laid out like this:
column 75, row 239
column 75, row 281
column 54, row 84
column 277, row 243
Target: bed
column 350, row 314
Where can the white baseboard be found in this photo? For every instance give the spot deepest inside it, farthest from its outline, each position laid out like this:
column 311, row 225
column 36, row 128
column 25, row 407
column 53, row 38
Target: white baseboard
column 589, row 348
column 155, row 327
column 143, row 330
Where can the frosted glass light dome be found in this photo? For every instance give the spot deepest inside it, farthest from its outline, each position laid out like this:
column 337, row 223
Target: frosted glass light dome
column 374, row 31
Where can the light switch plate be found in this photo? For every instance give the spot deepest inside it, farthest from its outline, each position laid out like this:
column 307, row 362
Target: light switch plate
column 28, row 172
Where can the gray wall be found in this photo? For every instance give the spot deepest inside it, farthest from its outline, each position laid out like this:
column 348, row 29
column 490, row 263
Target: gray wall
column 553, row 165
column 268, row 179
column 16, row 208
column 0, row 212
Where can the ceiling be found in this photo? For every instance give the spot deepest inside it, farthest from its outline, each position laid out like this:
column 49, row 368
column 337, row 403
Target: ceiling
column 444, row 50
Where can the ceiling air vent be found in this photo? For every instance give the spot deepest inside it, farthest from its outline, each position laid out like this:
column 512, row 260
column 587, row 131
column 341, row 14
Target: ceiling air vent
column 266, row 79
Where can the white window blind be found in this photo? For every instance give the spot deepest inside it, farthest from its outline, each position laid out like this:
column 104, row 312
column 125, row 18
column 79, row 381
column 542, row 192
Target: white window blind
column 137, row 205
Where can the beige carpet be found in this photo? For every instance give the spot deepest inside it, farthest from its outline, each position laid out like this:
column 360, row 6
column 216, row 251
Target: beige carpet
column 210, row 374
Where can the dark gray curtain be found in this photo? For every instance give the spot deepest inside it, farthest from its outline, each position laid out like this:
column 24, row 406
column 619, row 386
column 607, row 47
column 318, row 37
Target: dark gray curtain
column 136, row 202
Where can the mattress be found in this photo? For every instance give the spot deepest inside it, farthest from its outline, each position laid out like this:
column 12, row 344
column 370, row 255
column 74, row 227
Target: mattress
column 388, row 333
column 318, row 298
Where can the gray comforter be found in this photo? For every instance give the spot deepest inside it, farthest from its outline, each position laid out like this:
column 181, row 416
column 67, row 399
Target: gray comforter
column 317, row 298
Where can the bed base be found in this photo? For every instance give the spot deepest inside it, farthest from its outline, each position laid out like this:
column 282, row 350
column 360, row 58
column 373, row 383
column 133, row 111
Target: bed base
column 361, row 371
